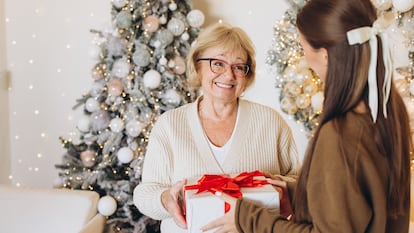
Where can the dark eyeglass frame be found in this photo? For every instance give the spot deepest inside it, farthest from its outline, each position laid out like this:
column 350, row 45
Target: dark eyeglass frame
column 232, row 66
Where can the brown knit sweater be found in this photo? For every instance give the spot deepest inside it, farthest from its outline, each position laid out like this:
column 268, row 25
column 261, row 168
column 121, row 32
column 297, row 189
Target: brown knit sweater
column 349, row 200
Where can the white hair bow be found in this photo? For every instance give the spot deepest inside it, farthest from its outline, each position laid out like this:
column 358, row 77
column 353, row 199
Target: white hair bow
column 361, row 35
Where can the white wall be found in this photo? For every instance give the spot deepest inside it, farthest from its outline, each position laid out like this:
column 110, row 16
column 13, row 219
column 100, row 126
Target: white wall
column 47, row 44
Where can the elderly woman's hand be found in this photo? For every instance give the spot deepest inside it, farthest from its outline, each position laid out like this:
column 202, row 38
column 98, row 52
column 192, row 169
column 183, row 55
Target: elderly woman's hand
column 170, row 201
column 225, row 224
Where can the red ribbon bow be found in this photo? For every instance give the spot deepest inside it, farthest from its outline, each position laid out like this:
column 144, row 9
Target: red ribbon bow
column 228, row 185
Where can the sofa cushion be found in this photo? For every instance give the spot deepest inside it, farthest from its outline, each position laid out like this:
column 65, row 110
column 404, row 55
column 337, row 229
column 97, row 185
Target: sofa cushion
column 28, row 209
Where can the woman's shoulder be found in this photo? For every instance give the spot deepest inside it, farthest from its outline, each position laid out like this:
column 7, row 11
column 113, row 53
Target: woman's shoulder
column 352, row 132
column 174, row 117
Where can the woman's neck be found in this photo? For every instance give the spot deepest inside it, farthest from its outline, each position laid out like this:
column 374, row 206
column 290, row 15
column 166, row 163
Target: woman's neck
column 217, row 111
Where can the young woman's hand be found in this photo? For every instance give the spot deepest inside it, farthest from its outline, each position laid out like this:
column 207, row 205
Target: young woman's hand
column 285, row 204
column 225, row 224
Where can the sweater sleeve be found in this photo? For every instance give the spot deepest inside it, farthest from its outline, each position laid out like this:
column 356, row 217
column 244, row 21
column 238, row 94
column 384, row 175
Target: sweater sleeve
column 155, row 178
column 288, row 157
column 251, row 218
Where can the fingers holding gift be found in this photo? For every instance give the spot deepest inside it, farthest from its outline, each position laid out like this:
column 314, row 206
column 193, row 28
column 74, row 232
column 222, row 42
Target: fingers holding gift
column 226, row 223
column 170, row 201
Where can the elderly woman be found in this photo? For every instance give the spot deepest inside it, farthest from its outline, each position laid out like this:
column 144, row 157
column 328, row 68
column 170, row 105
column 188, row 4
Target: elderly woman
column 219, row 133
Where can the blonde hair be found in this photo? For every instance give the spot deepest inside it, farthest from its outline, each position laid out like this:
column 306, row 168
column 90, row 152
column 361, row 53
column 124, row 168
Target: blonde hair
column 228, row 37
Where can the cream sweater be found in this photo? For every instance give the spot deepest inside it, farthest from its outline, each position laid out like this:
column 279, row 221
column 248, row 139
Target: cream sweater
column 178, row 149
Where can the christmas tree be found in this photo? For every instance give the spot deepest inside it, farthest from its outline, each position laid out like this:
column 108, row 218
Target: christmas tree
column 301, row 91
column 300, row 88
column 139, row 74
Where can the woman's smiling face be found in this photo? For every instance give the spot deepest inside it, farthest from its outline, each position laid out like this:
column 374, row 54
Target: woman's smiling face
column 226, row 86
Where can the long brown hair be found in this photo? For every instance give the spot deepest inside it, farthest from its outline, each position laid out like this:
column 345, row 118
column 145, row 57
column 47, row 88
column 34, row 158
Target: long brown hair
column 324, row 24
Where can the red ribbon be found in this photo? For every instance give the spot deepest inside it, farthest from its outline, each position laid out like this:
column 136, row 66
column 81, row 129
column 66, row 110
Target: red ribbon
column 228, row 185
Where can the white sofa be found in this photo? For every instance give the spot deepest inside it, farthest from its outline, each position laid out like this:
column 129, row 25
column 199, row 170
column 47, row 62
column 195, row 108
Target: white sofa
column 47, row 210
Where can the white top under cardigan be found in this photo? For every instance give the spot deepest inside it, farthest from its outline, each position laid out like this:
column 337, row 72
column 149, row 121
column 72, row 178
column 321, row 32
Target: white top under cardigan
column 177, row 150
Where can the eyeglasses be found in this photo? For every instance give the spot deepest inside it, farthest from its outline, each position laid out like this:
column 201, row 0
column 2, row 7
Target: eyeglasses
column 218, row 66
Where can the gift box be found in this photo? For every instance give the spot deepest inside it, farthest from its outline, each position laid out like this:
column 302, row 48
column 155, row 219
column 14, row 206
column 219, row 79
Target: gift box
column 202, row 206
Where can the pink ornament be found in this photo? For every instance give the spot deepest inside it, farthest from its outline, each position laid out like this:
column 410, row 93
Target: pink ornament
column 115, row 87
column 88, row 158
column 151, row 23
column 179, row 65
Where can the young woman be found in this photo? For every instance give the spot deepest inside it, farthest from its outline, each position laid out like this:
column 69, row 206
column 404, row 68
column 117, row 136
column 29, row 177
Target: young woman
column 356, row 172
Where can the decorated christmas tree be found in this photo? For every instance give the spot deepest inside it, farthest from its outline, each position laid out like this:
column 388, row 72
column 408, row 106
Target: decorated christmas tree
column 139, row 74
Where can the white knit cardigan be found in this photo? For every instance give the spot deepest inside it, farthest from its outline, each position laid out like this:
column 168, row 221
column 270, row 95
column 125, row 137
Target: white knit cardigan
column 178, row 149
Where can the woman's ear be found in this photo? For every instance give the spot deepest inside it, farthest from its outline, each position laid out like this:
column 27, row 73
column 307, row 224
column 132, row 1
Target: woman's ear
column 324, row 54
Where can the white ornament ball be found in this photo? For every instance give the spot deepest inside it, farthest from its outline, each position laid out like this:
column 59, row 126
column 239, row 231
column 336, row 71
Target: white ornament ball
column 133, row 128
column 412, row 88
column 119, row 3
column 195, row 18
column 317, row 101
column 382, row 4
column 403, row 5
column 185, row 36
column 172, row 6
column 125, row 155
column 157, row 44
column 163, row 19
column 176, row 26
column 116, row 125
column 121, row 68
column 91, row 105
column 163, row 61
column 172, row 97
column 107, row 205
column 84, row 123
column 171, row 63
column 152, row 79
column 302, row 76
column 290, row 72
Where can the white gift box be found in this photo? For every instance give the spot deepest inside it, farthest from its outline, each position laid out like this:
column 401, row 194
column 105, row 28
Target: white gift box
column 202, row 208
